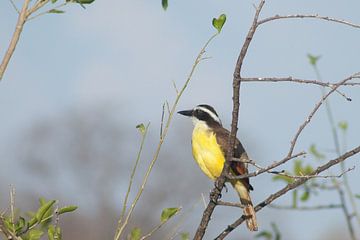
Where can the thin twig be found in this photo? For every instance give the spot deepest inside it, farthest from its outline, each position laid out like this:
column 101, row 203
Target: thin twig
column 282, row 172
column 303, row 81
column 230, row 204
column 289, row 187
column 39, row 4
column 312, row 113
column 48, row 11
column 262, row 170
column 14, row 6
column 12, row 205
column 316, row 16
column 158, row 227
column 15, row 38
column 121, row 228
column 306, row 208
column 143, row 137
column 162, row 120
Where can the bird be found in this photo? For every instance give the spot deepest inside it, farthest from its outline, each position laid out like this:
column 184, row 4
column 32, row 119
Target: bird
column 210, row 144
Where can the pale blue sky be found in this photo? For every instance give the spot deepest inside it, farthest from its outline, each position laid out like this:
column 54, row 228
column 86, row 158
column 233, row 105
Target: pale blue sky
column 127, row 53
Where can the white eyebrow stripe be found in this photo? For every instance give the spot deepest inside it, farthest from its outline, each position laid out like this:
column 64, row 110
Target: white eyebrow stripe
column 212, row 114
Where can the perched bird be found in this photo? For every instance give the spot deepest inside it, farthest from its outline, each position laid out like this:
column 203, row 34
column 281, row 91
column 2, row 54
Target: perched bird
column 210, row 143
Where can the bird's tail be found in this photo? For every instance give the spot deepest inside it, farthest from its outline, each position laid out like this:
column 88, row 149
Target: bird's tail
column 245, row 199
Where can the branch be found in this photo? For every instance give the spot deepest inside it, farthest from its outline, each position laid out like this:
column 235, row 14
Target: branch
column 289, row 187
column 317, row 106
column 298, row 80
column 262, row 170
column 15, row 38
column 306, row 208
column 219, row 183
column 316, row 16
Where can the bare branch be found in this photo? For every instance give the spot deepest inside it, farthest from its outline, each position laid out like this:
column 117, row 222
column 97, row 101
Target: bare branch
column 298, row 80
column 230, row 204
column 306, row 208
column 289, row 187
column 316, row 16
column 219, row 183
column 262, row 170
column 15, row 38
column 310, row 116
column 39, row 4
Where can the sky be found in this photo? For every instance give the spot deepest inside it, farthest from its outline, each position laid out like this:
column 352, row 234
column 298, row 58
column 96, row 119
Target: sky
column 127, row 54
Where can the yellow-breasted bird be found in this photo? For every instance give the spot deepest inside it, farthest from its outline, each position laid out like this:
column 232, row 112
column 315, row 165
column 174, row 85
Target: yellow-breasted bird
column 210, row 142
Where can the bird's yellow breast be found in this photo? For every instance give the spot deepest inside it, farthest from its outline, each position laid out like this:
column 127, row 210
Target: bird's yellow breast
column 206, row 151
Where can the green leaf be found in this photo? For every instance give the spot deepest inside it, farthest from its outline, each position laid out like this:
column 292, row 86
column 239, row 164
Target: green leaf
column 141, row 128
column 8, row 224
column 45, row 208
column 313, row 59
column 135, row 234
column 276, row 231
column 357, row 196
column 53, row 1
column 184, row 236
column 168, row 213
column 298, row 170
column 66, row 209
column 219, row 22
column 164, row 4
column 35, row 234
column 264, row 234
column 308, row 170
column 283, row 178
column 32, row 221
column 313, row 150
column 294, row 203
column 55, row 11
column 54, row 233
column 20, row 224
column 343, row 125
column 305, row 196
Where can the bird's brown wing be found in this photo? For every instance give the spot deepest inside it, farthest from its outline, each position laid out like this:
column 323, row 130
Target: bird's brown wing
column 238, row 168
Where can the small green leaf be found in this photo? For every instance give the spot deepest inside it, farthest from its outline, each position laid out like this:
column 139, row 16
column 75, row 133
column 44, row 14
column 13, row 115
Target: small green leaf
column 357, row 196
column 313, row 59
column 184, row 236
column 219, row 22
column 168, row 213
column 141, row 128
column 313, row 150
column 44, row 209
column 294, row 203
column 135, row 234
column 53, row 1
column 276, row 231
column 8, row 224
column 66, row 209
column 164, row 4
column 298, row 171
column 283, row 178
column 35, row 234
column 55, row 11
column 32, row 221
column 54, row 234
column 343, row 125
column 20, row 224
column 305, row 196
column 264, row 234
column 308, row 170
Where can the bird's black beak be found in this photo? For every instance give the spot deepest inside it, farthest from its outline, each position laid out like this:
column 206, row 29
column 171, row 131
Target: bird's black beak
column 188, row 113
